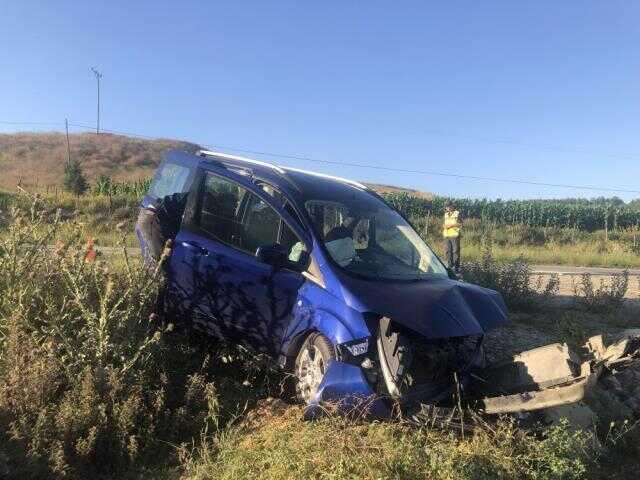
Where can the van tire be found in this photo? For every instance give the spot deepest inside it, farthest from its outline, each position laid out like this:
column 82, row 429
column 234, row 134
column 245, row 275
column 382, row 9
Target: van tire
column 314, row 357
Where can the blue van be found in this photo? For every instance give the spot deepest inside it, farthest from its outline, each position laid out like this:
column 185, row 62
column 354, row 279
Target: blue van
column 323, row 275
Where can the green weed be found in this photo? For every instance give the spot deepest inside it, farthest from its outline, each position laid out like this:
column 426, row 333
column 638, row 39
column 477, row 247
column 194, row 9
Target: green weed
column 607, row 296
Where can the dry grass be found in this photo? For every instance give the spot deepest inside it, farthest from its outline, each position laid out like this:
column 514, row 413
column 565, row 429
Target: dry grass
column 279, row 446
column 390, row 189
column 93, row 384
column 583, row 254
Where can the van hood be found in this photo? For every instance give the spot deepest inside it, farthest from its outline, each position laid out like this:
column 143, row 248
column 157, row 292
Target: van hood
column 437, row 307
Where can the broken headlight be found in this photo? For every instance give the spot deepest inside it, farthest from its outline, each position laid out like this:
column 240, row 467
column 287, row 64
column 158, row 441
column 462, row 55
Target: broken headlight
column 356, row 352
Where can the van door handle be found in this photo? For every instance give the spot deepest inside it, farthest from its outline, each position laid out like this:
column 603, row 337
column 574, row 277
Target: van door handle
column 195, row 246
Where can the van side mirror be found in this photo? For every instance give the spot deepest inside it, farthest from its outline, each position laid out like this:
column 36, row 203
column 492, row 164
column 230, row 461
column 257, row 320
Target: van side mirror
column 303, row 262
column 274, row 255
column 277, row 256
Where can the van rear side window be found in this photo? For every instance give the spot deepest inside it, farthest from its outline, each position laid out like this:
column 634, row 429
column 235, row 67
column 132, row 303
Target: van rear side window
column 171, row 178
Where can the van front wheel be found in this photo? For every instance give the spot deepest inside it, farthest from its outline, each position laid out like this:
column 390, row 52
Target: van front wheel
column 312, row 362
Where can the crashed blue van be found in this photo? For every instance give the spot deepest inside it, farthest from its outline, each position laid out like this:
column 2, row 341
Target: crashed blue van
column 323, row 275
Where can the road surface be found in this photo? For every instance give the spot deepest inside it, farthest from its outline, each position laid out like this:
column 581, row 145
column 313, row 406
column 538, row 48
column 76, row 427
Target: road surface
column 571, row 270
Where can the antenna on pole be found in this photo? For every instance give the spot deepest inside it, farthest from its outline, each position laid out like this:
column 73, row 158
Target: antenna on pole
column 98, row 77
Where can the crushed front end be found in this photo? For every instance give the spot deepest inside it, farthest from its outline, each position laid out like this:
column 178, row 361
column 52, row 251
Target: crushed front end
column 399, row 368
column 402, row 370
column 415, row 369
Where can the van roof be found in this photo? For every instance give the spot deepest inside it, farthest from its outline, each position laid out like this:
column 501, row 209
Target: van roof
column 306, row 181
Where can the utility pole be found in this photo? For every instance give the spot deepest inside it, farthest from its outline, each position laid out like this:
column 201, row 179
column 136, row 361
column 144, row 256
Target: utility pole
column 66, row 127
column 98, row 77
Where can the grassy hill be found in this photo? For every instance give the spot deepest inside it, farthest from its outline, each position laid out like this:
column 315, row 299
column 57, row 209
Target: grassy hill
column 39, row 158
column 389, row 189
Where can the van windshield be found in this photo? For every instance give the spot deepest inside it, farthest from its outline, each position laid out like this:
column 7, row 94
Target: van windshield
column 364, row 236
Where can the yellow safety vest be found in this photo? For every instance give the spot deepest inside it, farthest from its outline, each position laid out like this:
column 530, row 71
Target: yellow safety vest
column 450, row 228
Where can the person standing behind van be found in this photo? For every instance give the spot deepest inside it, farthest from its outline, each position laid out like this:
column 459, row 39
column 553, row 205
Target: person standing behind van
column 451, row 234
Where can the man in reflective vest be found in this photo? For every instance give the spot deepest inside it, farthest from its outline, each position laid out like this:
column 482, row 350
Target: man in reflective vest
column 451, row 234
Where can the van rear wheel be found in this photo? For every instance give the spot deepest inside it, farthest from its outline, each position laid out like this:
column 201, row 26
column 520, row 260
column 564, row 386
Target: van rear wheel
column 312, row 362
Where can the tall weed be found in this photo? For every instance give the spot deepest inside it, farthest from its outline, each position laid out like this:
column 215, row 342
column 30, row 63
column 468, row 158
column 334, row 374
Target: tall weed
column 514, row 280
column 89, row 384
column 606, row 297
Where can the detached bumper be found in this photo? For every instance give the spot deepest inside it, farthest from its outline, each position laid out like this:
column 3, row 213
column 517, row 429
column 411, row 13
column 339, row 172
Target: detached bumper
column 550, row 376
column 544, row 377
column 536, row 400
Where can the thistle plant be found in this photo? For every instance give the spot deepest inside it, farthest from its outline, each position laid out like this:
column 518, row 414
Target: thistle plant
column 88, row 385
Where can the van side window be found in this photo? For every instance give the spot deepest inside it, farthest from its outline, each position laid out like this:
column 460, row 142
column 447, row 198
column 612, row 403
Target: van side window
column 171, row 178
column 220, row 203
column 235, row 216
column 261, row 224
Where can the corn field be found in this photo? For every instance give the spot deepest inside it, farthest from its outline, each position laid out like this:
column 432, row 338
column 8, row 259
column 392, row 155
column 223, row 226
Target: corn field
column 587, row 217
column 4, row 201
column 533, row 213
column 105, row 186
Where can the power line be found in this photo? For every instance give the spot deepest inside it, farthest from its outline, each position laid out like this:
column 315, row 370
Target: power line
column 4, row 122
column 520, row 143
column 427, row 172
column 426, row 131
column 397, row 170
column 383, row 168
column 115, row 132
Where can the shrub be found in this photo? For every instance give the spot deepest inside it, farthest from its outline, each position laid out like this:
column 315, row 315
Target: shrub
column 74, row 179
column 571, row 327
column 608, row 296
column 513, row 280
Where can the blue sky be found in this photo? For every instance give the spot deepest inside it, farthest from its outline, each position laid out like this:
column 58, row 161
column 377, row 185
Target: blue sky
column 546, row 91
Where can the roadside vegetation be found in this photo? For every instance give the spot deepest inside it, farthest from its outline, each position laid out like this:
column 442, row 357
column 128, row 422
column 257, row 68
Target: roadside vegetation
column 109, row 203
column 95, row 384
column 542, row 245
column 579, row 214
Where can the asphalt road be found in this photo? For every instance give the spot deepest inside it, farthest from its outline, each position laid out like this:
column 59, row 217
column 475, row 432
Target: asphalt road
column 571, row 270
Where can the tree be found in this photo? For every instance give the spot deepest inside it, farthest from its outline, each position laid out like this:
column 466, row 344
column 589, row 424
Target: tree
column 74, row 179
